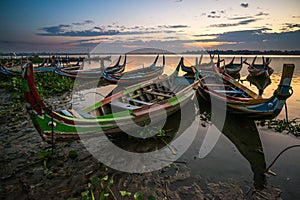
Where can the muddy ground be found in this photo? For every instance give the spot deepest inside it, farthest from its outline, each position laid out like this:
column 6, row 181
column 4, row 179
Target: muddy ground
column 25, row 174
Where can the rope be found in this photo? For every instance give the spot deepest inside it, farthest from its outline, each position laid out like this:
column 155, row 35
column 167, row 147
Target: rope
column 95, row 93
column 293, row 146
column 52, row 132
column 286, row 112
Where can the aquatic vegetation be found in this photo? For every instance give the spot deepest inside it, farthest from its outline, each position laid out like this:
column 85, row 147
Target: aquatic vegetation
column 124, row 193
column 100, row 188
column 48, row 84
column 45, row 156
column 73, row 154
column 282, row 125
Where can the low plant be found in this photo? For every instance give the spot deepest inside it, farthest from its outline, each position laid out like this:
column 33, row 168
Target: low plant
column 100, row 189
column 282, row 125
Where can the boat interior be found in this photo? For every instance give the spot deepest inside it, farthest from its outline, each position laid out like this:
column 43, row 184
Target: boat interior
column 152, row 93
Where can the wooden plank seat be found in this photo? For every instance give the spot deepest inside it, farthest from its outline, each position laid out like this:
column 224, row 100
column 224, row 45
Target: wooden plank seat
column 139, row 101
column 229, row 91
column 122, row 105
column 212, row 84
column 77, row 113
column 158, row 93
column 66, row 113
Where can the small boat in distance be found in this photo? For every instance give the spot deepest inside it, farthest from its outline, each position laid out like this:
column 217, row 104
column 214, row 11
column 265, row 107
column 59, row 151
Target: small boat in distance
column 260, row 69
column 233, row 68
column 91, row 73
column 137, row 75
column 202, row 66
column 116, row 67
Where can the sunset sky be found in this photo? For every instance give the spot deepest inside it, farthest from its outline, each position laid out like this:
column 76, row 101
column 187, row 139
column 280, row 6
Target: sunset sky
column 177, row 25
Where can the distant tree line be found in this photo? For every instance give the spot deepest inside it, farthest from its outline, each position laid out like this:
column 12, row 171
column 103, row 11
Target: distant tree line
column 223, row 52
column 245, row 52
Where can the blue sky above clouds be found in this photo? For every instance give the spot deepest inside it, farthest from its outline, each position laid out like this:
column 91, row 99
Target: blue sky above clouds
column 79, row 26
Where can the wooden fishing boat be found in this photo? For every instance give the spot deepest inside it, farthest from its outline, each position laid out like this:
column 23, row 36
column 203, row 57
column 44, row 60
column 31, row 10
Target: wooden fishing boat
column 80, row 73
column 260, row 69
column 188, row 69
column 200, row 65
column 5, row 71
column 42, row 64
column 92, row 73
column 16, row 70
column 137, row 75
column 233, row 68
column 221, row 89
column 117, row 67
column 131, row 106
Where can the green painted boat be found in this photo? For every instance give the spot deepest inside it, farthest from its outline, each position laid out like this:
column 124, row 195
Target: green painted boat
column 128, row 108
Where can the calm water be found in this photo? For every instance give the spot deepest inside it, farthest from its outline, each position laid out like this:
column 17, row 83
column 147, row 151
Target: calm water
column 244, row 150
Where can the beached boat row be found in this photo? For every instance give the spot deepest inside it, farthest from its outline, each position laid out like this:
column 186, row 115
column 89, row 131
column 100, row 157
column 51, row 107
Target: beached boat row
column 115, row 73
column 232, row 69
column 154, row 96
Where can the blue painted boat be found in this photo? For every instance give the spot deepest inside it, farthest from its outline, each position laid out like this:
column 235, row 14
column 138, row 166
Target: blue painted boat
column 137, row 75
column 224, row 90
column 92, row 73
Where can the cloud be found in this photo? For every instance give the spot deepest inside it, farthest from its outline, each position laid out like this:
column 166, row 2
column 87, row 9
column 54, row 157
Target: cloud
column 255, row 39
column 289, row 26
column 213, row 16
column 239, row 18
column 55, row 29
column 243, row 22
column 86, row 41
column 248, row 21
column 75, row 31
column 98, row 28
column 244, row 5
column 262, row 14
column 177, row 26
column 85, row 33
column 248, row 16
column 83, row 23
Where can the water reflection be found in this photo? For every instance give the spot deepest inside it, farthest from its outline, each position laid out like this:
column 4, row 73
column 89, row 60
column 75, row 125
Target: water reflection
column 260, row 82
column 172, row 129
column 243, row 133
